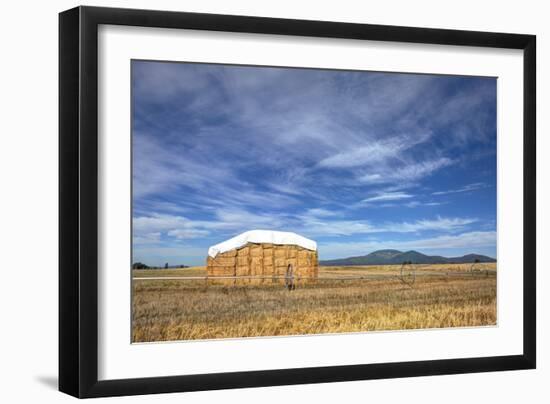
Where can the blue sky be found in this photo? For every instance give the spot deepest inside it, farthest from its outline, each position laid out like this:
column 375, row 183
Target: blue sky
column 358, row 161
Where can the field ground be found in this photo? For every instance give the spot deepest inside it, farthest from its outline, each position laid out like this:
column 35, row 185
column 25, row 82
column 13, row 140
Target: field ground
column 344, row 299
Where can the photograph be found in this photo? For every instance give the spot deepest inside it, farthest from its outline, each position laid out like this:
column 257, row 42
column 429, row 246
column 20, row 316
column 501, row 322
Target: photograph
column 272, row 201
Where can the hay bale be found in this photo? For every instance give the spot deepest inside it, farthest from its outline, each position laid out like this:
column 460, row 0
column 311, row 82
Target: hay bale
column 280, row 262
column 243, row 252
column 256, row 251
column 222, row 271
column 222, row 261
column 264, row 260
column 256, row 269
column 232, row 253
column 242, row 270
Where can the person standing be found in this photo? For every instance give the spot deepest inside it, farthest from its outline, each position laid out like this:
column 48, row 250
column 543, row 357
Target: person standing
column 289, row 278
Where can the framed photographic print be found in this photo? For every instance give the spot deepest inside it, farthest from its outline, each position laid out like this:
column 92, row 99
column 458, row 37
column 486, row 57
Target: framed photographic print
column 250, row 201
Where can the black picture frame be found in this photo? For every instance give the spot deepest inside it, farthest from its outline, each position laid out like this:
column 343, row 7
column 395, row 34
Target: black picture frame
column 78, row 201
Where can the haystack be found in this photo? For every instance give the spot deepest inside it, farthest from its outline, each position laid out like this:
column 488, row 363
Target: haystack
column 263, row 256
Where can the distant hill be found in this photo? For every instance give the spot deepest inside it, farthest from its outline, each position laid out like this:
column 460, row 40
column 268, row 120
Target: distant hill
column 389, row 257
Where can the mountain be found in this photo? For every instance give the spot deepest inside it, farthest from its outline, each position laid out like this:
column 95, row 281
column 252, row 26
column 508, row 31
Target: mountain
column 389, row 257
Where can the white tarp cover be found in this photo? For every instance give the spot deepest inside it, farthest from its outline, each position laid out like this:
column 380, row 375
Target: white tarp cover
column 262, row 236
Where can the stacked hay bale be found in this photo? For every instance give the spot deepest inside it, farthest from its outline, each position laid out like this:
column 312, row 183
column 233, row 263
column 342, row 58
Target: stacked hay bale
column 260, row 263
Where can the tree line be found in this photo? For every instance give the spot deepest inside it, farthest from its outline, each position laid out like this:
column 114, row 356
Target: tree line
column 141, row 265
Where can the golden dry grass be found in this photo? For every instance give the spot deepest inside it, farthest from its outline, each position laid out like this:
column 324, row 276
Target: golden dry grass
column 154, row 273
column 165, row 310
column 395, row 269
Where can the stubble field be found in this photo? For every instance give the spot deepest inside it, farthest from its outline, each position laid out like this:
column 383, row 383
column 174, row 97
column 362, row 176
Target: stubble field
column 168, row 307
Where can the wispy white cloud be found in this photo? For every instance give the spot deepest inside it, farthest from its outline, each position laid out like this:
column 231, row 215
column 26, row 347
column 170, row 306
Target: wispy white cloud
column 406, row 172
column 414, row 204
column 388, row 196
column 245, row 220
column 466, row 188
column 181, row 234
column 169, row 172
column 156, row 223
column 325, row 226
column 224, row 222
column 320, row 212
column 314, row 223
column 146, row 238
column 439, row 223
column 411, row 204
column 373, row 152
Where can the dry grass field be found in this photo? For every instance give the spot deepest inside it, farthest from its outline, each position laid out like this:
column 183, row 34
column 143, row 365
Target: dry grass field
column 375, row 299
